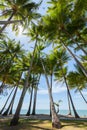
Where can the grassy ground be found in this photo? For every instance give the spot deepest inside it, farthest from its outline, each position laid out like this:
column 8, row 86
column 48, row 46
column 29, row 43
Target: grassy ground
column 43, row 125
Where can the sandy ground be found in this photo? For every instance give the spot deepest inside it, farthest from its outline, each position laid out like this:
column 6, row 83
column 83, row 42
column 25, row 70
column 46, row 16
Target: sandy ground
column 43, row 122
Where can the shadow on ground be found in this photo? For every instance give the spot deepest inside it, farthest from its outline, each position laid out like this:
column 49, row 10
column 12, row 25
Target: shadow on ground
column 26, row 124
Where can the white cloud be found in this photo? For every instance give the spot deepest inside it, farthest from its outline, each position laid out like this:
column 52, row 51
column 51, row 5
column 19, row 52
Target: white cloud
column 55, row 89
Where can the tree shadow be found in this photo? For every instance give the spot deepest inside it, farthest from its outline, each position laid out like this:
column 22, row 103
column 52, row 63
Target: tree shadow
column 78, row 124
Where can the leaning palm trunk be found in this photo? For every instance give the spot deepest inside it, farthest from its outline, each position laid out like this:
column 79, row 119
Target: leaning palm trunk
column 29, row 109
column 55, row 120
column 74, row 110
column 7, row 23
column 83, row 96
column 11, row 108
column 69, row 95
column 81, row 49
column 77, row 61
column 12, row 101
column 15, row 119
column 69, row 104
column 6, row 102
column 2, row 87
column 10, row 22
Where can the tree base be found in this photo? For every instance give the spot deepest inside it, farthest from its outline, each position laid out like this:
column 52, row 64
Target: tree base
column 5, row 114
column 27, row 114
column 14, row 122
column 69, row 114
column 77, row 116
column 56, row 125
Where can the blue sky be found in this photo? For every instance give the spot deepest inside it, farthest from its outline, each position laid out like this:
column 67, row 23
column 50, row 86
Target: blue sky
column 59, row 91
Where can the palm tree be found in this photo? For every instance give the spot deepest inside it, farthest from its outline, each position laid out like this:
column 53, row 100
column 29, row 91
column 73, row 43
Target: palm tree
column 56, row 25
column 29, row 108
column 55, row 120
column 79, row 81
column 11, row 103
column 35, row 94
column 37, row 37
column 15, row 119
column 50, row 65
column 10, row 53
column 23, row 11
column 60, row 71
column 77, row 61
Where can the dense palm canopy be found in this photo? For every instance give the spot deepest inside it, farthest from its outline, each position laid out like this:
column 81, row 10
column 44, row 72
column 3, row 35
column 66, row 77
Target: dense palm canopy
column 63, row 29
column 21, row 12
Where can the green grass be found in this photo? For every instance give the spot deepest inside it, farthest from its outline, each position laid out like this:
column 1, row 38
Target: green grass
column 26, row 124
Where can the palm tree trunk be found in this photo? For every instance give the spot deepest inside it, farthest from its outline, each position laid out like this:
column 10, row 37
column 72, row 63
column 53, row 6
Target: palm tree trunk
column 51, row 77
column 69, row 104
column 7, row 23
column 75, row 113
column 1, row 87
column 69, row 95
column 55, row 120
column 34, row 103
column 35, row 97
column 81, row 49
column 12, row 101
column 15, row 119
column 6, row 102
column 10, row 22
column 83, row 96
column 11, row 108
column 10, row 112
column 29, row 109
column 77, row 61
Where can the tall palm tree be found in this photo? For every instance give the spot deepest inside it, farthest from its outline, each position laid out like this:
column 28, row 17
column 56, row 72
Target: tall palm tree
column 61, row 73
column 79, row 81
column 15, row 119
column 50, row 65
column 56, row 25
column 55, row 120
